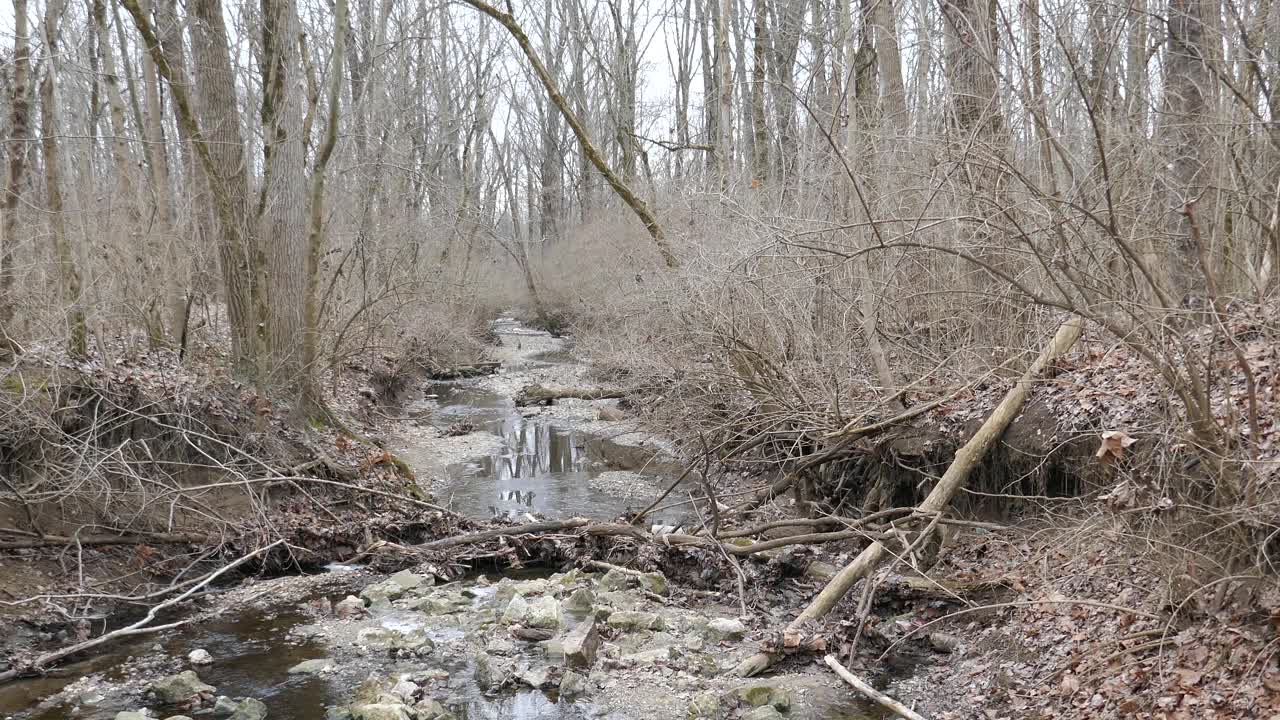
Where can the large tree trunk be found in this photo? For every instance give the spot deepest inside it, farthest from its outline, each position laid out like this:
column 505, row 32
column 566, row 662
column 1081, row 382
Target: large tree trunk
column 68, row 270
column 283, row 262
column 219, row 120
column 20, row 137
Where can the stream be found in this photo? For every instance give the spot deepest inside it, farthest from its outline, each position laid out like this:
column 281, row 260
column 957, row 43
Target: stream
column 533, row 462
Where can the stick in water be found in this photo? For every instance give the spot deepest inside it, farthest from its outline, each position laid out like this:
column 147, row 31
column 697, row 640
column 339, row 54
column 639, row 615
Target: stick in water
column 862, row 687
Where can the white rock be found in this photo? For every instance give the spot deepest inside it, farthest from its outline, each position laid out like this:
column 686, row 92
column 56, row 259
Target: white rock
column 199, row 656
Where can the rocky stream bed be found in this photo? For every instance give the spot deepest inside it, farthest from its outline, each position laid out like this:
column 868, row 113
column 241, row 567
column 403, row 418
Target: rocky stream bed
column 352, row 644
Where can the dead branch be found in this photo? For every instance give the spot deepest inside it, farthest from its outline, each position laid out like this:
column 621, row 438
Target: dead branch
column 138, row 628
column 863, row 687
column 966, row 459
column 100, row 540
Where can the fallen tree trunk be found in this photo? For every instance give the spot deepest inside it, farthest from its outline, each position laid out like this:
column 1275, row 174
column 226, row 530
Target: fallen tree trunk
column 529, row 529
column 545, row 394
column 966, row 459
column 101, row 540
column 465, row 371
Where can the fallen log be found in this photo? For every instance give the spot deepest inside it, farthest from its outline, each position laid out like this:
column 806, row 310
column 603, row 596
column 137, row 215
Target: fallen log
column 515, row 530
column 966, row 459
column 863, row 687
column 546, row 394
column 102, row 540
column 465, row 371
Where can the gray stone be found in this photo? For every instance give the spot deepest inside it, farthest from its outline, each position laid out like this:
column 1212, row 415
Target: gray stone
column 516, row 611
column 410, row 580
column 572, row 685
column 500, row 646
column 224, row 706
column 310, row 667
column 535, row 677
column 381, row 711
column 199, row 657
column 581, row 602
column 654, row 582
column 406, row 691
column 544, row 613
column 396, row 586
column 133, row 715
column 768, row 712
column 350, row 607
column 249, row 709
column 581, row 645
column 436, row 605
column 177, row 717
column 705, row 706
column 489, row 674
column 615, row 580
column 431, row 709
column 629, row 620
column 337, row 713
column 760, row 694
column 721, row 629
column 180, row 688
column 413, row 642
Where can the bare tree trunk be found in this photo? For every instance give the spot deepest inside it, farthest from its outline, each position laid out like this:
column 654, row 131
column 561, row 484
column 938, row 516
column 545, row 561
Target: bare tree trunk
column 220, row 123
column 316, row 238
column 284, row 260
column 69, row 272
column 20, row 138
column 724, row 92
column 759, row 121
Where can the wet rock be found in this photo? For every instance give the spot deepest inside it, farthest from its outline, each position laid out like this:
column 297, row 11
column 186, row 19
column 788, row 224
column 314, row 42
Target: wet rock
column 133, row 715
column 768, row 712
column 199, row 656
column 654, row 582
column 182, row 688
column 405, row 690
column 489, row 674
column 311, row 667
column 175, row 717
column 224, row 706
column 721, row 629
column 615, row 580
column 436, row 605
column 348, row 608
column 381, row 711
column 705, row 706
column 764, row 693
column 543, row 612
column 432, row 710
column 249, row 709
column 337, row 713
column 581, row 645
column 396, row 586
column 535, row 677
column 581, row 602
column 631, row 620
column 521, row 632
column 411, row 642
column 572, row 685
column 500, row 646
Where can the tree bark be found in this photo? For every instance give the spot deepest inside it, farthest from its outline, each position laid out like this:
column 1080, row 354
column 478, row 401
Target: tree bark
column 20, row 138
column 68, row 270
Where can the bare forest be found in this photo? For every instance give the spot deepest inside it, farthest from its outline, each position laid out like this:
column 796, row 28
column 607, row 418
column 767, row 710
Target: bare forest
column 640, row 359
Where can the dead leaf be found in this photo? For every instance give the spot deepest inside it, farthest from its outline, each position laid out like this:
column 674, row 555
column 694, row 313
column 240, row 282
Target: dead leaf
column 1114, row 443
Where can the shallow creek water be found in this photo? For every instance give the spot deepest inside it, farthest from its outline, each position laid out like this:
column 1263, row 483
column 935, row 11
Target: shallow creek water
column 539, row 465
